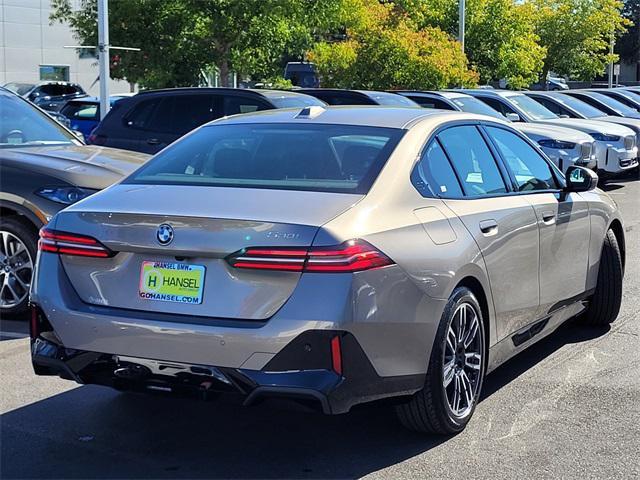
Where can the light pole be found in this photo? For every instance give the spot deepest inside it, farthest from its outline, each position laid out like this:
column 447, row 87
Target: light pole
column 461, row 20
column 611, row 62
column 103, row 56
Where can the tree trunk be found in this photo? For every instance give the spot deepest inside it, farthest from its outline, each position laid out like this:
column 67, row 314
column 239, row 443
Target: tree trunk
column 223, row 69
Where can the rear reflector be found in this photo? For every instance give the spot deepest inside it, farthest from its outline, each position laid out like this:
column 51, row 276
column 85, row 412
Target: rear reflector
column 64, row 243
column 350, row 256
column 336, row 355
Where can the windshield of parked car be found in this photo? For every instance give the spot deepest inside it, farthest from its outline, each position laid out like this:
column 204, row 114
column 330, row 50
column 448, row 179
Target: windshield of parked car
column 294, row 101
column 579, row 106
column 19, row 88
column 80, row 111
column 318, row 157
column 473, row 105
column 23, row 125
column 617, row 106
column 392, row 99
column 532, row 108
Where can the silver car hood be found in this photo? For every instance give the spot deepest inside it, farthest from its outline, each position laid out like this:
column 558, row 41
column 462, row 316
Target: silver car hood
column 589, row 126
column 538, row 131
column 87, row 166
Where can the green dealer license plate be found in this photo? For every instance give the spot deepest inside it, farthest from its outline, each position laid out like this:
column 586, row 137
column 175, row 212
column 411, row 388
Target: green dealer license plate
column 171, row 282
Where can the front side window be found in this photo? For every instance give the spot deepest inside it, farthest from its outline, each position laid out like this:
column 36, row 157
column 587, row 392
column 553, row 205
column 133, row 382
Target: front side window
column 531, row 171
column 235, row 104
column 473, row 161
column 323, row 158
column 141, row 114
column 428, row 102
column 434, row 175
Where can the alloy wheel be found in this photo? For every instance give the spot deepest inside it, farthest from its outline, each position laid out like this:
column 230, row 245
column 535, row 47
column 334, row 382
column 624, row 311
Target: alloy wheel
column 16, row 270
column 462, row 363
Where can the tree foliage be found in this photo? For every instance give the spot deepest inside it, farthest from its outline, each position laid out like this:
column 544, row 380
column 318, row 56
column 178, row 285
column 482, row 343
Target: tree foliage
column 577, row 34
column 385, row 50
column 500, row 41
column 181, row 38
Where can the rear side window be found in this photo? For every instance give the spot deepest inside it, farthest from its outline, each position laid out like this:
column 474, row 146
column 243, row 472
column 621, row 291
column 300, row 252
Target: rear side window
column 324, row 158
column 531, row 171
column 433, row 175
column 472, row 160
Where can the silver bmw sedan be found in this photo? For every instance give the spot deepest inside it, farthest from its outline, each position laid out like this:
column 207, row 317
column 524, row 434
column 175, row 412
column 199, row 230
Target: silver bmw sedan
column 333, row 256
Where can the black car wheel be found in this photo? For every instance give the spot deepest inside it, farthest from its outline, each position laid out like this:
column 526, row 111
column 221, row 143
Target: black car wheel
column 455, row 373
column 17, row 257
column 605, row 304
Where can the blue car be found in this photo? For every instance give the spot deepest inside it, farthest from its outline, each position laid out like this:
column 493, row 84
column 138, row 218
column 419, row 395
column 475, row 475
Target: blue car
column 84, row 113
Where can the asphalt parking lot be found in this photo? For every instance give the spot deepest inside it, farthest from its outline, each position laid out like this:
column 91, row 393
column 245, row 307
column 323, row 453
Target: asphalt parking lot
column 566, row 408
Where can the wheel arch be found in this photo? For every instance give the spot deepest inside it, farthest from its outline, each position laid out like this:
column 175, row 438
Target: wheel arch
column 618, row 231
column 26, row 216
column 475, row 285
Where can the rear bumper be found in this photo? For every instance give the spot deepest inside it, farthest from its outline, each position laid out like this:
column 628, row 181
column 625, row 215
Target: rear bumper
column 302, row 371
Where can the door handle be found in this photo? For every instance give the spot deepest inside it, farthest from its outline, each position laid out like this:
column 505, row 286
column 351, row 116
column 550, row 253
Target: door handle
column 489, row 227
column 153, row 141
column 548, row 218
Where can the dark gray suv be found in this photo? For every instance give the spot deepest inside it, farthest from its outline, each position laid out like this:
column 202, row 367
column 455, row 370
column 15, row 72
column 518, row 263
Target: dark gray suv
column 43, row 168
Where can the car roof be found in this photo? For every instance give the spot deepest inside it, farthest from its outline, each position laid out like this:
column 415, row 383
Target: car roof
column 487, row 92
column 361, row 115
column 251, row 91
column 449, row 94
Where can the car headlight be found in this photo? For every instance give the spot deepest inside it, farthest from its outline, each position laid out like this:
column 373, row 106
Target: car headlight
column 557, row 144
column 65, row 195
column 601, row 137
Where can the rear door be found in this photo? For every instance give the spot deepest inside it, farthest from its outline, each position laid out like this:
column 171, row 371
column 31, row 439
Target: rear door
column 563, row 220
column 504, row 226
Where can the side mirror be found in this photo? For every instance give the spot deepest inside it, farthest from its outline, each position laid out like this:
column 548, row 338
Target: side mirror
column 513, row 117
column 563, row 115
column 580, row 179
column 78, row 134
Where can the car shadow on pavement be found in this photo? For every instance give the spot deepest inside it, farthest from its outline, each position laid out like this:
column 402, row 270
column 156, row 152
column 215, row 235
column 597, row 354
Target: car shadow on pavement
column 568, row 333
column 95, row 432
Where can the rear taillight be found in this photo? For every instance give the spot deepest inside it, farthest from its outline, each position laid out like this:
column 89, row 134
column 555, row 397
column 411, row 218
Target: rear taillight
column 350, row 256
column 64, row 243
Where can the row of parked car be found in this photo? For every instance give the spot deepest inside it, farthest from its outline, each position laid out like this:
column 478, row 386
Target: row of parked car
column 599, row 129
column 45, row 166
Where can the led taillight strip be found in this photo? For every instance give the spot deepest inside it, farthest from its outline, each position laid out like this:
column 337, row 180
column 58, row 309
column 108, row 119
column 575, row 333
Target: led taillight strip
column 63, row 243
column 351, row 256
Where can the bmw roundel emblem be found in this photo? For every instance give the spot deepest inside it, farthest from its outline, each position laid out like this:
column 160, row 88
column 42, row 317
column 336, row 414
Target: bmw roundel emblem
column 164, row 234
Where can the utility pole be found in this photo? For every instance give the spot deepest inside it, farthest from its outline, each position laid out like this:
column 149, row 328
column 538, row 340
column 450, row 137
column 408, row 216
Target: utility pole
column 461, row 21
column 611, row 61
column 103, row 56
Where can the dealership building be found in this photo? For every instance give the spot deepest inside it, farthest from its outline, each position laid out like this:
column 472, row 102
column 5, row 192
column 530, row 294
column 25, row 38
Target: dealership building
column 32, row 48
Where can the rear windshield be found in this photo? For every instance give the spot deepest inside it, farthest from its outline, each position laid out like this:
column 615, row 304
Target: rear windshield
column 80, row 111
column 319, row 157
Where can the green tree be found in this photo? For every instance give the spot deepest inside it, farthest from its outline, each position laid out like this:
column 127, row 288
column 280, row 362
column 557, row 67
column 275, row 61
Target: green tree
column 181, row 38
column 384, row 50
column 577, row 35
column 500, row 40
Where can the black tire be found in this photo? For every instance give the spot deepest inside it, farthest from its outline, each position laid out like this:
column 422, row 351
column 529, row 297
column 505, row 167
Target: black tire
column 605, row 303
column 429, row 411
column 28, row 236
